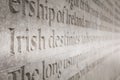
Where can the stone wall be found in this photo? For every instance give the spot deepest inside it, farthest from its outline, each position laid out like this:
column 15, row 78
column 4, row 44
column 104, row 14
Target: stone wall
column 56, row 39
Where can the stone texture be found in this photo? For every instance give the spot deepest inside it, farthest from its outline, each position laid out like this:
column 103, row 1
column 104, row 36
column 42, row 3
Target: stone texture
column 59, row 39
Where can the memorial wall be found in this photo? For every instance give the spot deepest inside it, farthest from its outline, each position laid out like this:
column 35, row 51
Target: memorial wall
column 57, row 39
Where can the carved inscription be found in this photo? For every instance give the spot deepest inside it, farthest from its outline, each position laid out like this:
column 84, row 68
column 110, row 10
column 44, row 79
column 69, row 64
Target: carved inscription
column 87, row 69
column 48, row 70
column 47, row 26
column 53, row 69
column 27, row 43
column 44, row 12
column 39, row 42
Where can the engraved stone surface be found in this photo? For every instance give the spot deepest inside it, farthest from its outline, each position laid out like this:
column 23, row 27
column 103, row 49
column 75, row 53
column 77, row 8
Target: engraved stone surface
column 59, row 39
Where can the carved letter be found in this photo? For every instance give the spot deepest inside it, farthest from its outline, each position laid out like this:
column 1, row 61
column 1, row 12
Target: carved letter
column 12, row 39
column 14, row 5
